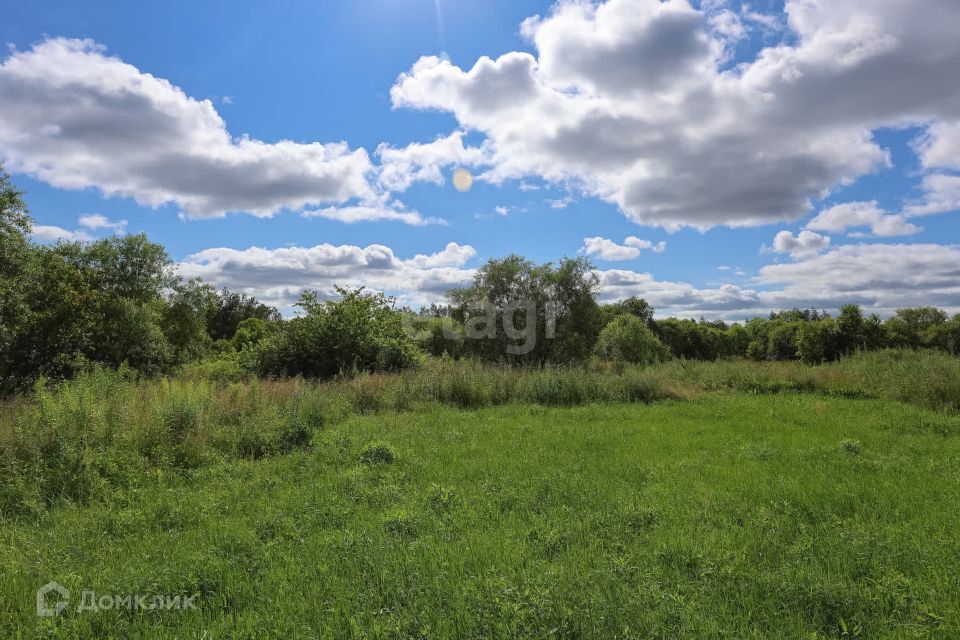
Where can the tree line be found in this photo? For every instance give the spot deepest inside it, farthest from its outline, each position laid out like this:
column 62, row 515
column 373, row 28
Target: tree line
column 118, row 302
column 627, row 330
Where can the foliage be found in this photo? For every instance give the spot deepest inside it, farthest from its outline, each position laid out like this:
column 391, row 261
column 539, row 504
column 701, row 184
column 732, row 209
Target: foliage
column 184, row 320
column 628, row 339
column 633, row 306
column 818, row 341
column 14, row 215
column 520, row 312
column 437, row 335
column 118, row 301
column 360, row 331
column 112, row 302
column 913, row 327
column 231, row 309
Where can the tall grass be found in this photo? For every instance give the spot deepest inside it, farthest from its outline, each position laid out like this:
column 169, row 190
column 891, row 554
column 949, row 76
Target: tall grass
column 107, row 429
column 928, row 379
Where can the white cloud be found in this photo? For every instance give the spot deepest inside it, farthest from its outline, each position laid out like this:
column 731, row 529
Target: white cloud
column 279, row 275
column 679, row 298
column 75, row 118
column 52, row 234
column 97, row 221
column 728, row 24
column 941, row 195
column 880, row 277
column 767, row 21
column 561, row 203
column 372, row 212
column 851, row 215
column 804, row 243
column 89, row 222
column 453, row 255
column 629, row 101
column 940, row 146
column 424, row 162
column 631, row 248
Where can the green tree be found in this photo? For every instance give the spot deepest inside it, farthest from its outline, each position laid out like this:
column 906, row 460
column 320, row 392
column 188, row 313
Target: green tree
column 437, row 335
column 16, row 258
column 628, row 339
column 946, row 336
column 912, row 327
column 633, row 306
column 359, row 331
column 782, row 340
column 694, row 340
column 517, row 311
column 184, row 322
column 874, row 333
column 81, row 303
column 737, row 341
column 231, row 308
column 851, row 334
column 252, row 331
column 816, row 341
column 14, row 216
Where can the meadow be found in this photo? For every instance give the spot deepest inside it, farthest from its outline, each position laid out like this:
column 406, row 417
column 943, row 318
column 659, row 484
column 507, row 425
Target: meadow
column 731, row 499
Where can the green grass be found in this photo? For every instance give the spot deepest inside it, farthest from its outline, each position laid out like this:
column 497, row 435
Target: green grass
column 728, row 515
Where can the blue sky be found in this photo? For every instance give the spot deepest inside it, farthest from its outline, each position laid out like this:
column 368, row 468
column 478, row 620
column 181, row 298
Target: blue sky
column 700, row 130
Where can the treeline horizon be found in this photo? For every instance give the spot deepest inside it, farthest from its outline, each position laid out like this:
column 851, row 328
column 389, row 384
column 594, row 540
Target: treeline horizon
column 118, row 302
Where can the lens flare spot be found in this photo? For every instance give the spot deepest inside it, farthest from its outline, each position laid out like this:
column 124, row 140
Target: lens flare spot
column 462, row 180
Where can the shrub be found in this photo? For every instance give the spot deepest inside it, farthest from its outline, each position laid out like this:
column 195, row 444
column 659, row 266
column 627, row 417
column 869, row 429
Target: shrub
column 628, row 339
column 817, row 341
column 782, row 341
column 358, row 332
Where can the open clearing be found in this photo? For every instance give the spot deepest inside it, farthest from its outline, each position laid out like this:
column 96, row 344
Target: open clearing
column 731, row 515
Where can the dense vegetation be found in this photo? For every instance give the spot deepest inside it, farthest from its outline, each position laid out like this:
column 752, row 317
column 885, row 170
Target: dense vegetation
column 686, row 499
column 520, row 462
column 119, row 301
column 106, row 430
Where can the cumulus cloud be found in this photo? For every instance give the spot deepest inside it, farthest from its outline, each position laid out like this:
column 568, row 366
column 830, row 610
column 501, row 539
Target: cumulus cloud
column 75, row 117
column 631, row 248
column 881, row 277
column 279, row 275
column 804, row 243
column 940, row 146
column 453, row 255
column 852, row 215
column 97, row 221
column 630, row 101
column 941, row 195
column 424, row 162
column 53, row 234
column 372, row 212
column 90, row 223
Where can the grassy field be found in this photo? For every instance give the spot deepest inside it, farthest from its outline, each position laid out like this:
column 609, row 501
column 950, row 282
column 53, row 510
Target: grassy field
column 726, row 500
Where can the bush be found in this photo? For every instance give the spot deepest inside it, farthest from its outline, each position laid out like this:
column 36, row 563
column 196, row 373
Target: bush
column 628, row 339
column 817, row 341
column 358, row 332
